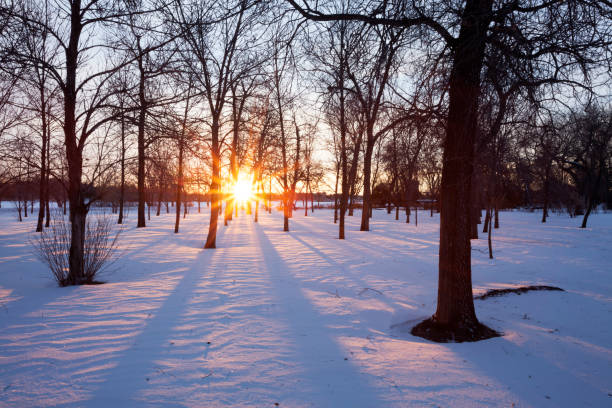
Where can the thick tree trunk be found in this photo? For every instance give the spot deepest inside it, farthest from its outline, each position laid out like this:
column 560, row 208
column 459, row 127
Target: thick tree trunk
column 78, row 209
column 455, row 317
column 78, row 215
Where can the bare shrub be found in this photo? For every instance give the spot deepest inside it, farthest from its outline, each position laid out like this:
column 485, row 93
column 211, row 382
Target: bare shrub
column 52, row 247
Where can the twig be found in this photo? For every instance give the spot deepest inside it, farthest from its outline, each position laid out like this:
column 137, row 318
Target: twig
column 366, row 289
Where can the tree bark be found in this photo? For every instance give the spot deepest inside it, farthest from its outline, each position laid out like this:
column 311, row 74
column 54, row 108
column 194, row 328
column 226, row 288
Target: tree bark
column 74, row 157
column 142, row 111
column 42, row 193
column 455, row 317
column 546, row 186
column 122, row 187
column 592, row 196
column 367, row 168
column 211, row 239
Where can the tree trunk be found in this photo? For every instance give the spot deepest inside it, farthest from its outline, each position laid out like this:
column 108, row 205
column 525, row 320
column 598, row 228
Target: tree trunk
column 489, row 241
column 257, row 194
column 496, row 223
column 47, row 177
column 311, row 201
column 474, row 222
column 286, row 205
column 42, row 193
column 270, row 196
column 78, row 209
column 141, row 150
column 159, row 198
column 474, row 207
column 352, row 181
column 336, row 201
column 455, row 317
column 122, row 187
column 546, row 186
column 211, row 239
column 487, row 219
column 78, row 215
column 184, row 205
column 592, row 196
column 367, row 164
column 179, row 187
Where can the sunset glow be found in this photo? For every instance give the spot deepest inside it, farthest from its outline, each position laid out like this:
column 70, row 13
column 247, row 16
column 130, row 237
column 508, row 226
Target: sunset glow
column 243, row 190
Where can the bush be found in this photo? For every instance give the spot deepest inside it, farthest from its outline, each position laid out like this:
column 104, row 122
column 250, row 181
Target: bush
column 52, row 247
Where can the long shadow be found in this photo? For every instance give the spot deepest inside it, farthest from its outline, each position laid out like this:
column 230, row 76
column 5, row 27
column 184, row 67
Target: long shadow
column 89, row 344
column 398, row 309
column 366, row 246
column 321, row 355
column 532, row 378
column 121, row 271
column 139, row 356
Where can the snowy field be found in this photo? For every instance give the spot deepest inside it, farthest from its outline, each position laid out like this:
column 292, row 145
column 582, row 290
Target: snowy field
column 302, row 319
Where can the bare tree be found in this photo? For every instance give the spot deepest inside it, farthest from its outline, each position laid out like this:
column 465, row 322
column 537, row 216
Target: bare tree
column 519, row 29
column 214, row 51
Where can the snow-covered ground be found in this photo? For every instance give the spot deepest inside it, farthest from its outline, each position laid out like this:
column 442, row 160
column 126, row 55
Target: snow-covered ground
column 302, row 319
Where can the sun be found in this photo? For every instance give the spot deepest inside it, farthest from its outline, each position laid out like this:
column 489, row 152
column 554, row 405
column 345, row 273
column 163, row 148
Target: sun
column 243, row 191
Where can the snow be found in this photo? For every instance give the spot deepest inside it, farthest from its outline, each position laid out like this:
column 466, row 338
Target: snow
column 303, row 319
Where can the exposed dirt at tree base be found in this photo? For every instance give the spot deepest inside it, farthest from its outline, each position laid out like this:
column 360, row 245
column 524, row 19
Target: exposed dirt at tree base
column 87, row 282
column 518, row 291
column 442, row 333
